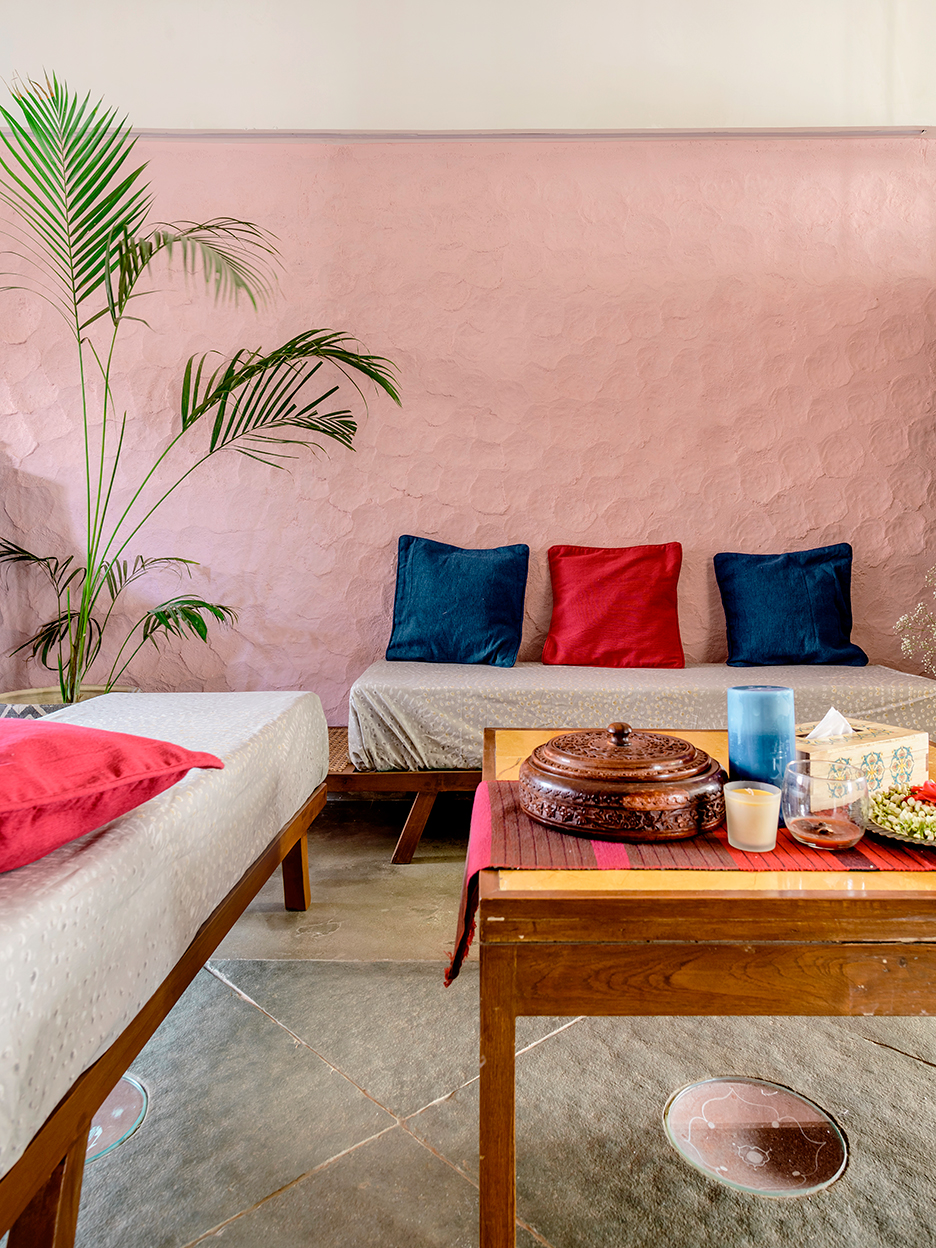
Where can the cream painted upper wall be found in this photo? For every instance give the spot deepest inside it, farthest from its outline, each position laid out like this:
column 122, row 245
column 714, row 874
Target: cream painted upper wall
column 489, row 65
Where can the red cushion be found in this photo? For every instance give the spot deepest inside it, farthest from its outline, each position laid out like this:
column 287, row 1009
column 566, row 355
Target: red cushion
column 58, row 781
column 614, row 607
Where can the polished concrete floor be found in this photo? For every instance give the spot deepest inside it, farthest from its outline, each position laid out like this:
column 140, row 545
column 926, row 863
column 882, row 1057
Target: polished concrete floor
column 317, row 1087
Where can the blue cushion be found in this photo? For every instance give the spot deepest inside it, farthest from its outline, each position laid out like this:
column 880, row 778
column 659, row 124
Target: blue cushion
column 792, row 608
column 458, row 606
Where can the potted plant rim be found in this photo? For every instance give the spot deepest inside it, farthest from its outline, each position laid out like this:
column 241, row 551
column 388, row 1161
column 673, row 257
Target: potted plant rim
column 77, row 234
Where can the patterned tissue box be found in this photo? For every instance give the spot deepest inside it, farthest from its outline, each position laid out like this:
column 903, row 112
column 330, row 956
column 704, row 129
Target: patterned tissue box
column 886, row 754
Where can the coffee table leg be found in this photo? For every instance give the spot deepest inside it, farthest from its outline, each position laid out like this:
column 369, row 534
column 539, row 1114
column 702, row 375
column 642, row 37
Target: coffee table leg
column 497, row 1126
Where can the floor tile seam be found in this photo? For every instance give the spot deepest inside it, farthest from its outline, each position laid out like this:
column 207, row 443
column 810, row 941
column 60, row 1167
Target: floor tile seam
column 467, row 1083
column 549, row 1035
column 398, row 1118
column 903, row 1052
column 470, row 1179
column 540, row 1239
column 299, row 1040
column 439, row 1100
column 447, row 1096
column 323, row 1165
column 440, row 1156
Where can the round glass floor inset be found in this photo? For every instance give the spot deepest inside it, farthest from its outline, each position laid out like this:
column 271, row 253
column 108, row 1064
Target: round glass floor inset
column 756, row 1136
column 118, row 1118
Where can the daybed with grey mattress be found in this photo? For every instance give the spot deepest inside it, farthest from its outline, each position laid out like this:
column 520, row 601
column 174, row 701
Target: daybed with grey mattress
column 418, row 727
column 99, row 939
column 406, row 716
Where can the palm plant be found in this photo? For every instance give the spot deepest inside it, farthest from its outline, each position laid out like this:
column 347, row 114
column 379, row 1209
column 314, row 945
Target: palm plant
column 78, row 240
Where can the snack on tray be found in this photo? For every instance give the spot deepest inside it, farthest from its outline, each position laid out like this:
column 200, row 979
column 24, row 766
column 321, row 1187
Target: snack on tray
column 907, row 809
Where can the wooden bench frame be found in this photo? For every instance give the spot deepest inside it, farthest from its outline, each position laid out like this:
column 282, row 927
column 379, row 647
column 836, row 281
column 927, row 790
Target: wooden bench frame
column 343, row 777
column 39, row 1195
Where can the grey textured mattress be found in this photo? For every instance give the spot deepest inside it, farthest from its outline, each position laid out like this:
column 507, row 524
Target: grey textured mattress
column 417, row 716
column 89, row 932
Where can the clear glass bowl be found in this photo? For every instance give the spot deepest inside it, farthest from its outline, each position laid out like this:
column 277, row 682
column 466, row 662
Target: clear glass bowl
column 825, row 805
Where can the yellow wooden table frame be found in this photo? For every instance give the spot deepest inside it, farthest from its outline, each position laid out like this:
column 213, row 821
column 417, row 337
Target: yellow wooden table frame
column 680, row 942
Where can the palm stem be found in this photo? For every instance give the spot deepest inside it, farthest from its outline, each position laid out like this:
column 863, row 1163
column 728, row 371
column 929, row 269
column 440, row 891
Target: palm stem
column 114, row 675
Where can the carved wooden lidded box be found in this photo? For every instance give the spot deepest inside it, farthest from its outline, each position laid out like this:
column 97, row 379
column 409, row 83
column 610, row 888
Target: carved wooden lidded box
column 623, row 785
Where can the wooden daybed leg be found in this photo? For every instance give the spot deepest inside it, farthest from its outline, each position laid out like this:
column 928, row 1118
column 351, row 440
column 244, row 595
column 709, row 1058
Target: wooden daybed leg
column 297, row 894
column 50, row 1218
column 296, row 891
column 413, row 828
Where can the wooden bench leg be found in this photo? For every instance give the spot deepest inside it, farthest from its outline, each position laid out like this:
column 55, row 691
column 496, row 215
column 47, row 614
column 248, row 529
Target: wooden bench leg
column 413, row 828
column 296, row 891
column 50, row 1218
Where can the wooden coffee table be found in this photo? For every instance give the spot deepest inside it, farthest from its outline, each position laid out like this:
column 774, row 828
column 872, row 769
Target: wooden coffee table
column 680, row 942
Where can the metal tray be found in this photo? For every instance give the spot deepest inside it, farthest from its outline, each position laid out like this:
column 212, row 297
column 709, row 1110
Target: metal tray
column 898, row 836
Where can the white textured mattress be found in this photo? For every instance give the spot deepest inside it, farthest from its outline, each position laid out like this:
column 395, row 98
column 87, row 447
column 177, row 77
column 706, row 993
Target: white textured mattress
column 88, row 933
column 414, row 716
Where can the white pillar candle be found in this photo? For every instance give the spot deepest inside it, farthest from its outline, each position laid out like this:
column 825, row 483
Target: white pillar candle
column 752, row 812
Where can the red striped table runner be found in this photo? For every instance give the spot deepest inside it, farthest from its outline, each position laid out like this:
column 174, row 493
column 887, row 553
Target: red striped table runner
column 503, row 836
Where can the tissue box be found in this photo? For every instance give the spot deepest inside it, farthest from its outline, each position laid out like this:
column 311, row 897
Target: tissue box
column 887, row 755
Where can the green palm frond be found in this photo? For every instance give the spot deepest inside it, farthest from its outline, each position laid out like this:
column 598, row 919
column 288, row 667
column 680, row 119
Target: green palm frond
column 234, row 257
column 120, row 573
column 63, row 160
column 255, row 395
column 269, row 402
column 174, row 618
column 184, row 615
column 45, row 644
column 59, row 571
column 339, row 349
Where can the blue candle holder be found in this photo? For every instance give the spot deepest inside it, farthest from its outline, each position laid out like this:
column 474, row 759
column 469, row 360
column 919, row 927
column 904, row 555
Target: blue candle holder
column 761, row 732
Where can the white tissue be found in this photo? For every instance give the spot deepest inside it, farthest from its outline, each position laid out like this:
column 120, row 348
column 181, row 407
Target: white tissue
column 832, row 724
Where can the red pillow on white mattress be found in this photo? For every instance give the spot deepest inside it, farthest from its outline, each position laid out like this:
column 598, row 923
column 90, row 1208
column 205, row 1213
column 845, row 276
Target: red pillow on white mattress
column 58, row 781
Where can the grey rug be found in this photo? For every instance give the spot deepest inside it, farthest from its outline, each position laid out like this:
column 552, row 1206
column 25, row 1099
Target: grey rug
column 29, row 710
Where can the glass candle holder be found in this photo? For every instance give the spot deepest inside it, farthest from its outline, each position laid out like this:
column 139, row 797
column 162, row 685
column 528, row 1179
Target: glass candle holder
column 761, row 732
column 752, row 813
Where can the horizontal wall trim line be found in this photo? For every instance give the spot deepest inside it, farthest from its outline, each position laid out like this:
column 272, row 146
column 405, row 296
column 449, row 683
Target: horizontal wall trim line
column 543, row 136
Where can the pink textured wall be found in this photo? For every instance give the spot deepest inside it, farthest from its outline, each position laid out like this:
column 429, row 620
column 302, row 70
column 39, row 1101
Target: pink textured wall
column 725, row 343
